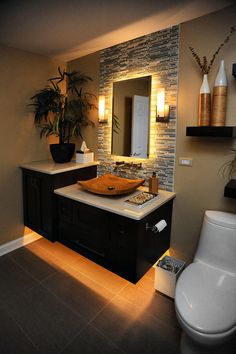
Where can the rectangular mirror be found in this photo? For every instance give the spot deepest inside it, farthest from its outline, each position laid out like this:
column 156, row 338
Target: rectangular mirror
column 131, row 117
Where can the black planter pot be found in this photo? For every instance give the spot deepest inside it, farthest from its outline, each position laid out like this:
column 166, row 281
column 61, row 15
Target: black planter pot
column 62, row 153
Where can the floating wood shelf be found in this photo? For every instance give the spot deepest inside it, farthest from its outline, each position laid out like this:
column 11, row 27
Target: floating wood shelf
column 215, row 132
column 230, row 189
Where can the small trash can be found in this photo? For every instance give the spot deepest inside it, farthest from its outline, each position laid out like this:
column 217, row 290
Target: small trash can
column 167, row 272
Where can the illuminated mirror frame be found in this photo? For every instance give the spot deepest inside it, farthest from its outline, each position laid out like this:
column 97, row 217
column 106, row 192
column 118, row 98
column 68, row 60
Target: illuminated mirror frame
column 153, row 127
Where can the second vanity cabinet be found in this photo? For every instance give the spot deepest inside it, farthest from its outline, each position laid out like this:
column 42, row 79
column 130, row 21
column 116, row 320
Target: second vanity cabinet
column 122, row 244
column 39, row 181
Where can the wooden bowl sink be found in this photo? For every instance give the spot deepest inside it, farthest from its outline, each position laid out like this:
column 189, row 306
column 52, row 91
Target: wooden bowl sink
column 109, row 184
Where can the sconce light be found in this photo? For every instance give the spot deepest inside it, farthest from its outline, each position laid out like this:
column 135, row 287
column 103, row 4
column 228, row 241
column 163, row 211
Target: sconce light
column 162, row 109
column 101, row 110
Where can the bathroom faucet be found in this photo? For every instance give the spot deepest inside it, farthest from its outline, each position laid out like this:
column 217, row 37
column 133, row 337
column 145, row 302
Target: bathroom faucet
column 127, row 165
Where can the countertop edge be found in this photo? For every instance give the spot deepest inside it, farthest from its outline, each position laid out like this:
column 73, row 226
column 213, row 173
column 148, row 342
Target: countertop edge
column 130, row 213
column 51, row 168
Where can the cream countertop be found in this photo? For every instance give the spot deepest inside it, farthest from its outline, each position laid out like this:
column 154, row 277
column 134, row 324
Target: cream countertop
column 51, row 168
column 115, row 204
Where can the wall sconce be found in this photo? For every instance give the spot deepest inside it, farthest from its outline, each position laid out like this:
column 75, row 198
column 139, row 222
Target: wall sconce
column 101, row 110
column 162, row 109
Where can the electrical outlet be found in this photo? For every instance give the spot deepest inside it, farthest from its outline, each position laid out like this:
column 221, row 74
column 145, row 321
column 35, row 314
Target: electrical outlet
column 186, row 161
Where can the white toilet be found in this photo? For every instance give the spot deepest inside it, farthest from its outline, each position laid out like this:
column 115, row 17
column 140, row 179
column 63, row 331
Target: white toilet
column 205, row 297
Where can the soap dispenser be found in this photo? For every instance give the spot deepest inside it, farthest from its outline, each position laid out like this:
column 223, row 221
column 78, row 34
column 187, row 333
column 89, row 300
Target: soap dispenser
column 153, row 183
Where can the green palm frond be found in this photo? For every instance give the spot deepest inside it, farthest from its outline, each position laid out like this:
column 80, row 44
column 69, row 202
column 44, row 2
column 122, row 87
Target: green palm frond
column 57, row 115
column 229, row 168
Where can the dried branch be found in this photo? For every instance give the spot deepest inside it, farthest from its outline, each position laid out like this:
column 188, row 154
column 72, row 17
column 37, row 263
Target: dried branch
column 203, row 63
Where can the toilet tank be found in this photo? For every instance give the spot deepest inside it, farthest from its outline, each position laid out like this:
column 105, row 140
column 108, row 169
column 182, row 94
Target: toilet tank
column 217, row 242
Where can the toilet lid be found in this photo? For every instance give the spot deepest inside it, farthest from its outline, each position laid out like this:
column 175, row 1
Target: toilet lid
column 205, row 298
column 221, row 218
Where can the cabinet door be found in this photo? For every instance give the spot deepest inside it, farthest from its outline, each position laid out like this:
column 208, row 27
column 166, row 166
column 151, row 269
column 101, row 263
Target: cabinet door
column 39, row 200
column 32, row 200
column 92, row 226
column 122, row 248
column 84, row 225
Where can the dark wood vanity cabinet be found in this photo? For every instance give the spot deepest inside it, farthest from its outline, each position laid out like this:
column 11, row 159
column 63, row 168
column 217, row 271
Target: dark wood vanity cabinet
column 39, row 200
column 127, row 247
column 83, row 225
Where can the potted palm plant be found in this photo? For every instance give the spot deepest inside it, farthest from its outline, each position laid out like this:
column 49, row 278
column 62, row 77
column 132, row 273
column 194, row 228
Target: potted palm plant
column 229, row 167
column 63, row 114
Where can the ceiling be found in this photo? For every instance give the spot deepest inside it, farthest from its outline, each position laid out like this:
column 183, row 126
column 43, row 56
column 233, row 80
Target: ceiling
column 70, row 29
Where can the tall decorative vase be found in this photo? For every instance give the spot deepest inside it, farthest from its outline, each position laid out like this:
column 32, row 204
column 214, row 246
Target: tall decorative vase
column 219, row 98
column 204, row 108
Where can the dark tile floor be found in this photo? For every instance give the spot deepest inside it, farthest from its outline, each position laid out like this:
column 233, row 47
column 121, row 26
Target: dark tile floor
column 52, row 300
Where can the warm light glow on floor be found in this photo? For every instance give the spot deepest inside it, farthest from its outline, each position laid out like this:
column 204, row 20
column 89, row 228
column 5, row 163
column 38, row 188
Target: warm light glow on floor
column 98, row 279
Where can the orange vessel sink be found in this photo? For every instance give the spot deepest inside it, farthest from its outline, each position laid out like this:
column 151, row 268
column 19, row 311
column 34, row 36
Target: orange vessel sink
column 109, row 184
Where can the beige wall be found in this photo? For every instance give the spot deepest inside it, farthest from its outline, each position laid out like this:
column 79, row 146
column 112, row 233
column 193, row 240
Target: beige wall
column 201, row 187
column 90, row 65
column 22, row 74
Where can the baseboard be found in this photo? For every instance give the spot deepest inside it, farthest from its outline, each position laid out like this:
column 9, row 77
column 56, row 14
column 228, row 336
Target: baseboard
column 22, row 241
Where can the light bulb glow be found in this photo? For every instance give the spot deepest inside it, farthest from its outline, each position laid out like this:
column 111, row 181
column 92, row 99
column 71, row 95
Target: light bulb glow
column 161, row 102
column 101, row 109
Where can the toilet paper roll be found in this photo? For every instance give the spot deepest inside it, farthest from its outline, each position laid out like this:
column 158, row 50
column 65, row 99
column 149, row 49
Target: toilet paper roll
column 158, row 227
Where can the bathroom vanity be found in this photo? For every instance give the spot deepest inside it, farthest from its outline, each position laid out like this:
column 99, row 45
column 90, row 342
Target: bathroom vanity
column 114, row 234
column 40, row 178
column 105, row 229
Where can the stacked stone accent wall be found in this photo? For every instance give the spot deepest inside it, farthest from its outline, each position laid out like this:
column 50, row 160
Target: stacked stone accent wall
column 155, row 54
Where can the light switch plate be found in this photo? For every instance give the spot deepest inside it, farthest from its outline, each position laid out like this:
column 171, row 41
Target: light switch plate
column 186, row 161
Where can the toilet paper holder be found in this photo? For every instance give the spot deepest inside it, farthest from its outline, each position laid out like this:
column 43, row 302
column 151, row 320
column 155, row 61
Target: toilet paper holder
column 158, row 227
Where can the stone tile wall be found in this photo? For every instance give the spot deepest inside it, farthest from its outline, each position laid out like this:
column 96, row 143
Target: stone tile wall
column 155, row 54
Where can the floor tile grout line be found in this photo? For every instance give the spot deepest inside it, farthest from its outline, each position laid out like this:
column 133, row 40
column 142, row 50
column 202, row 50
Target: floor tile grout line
column 79, row 271
column 52, row 254
column 108, row 303
column 104, row 335
column 73, row 338
column 89, row 323
column 73, row 264
column 21, row 328
column 147, row 313
column 117, row 294
column 39, row 282
column 85, row 322
column 74, row 311
column 64, row 304
column 94, row 280
column 26, row 272
column 55, row 295
column 176, row 332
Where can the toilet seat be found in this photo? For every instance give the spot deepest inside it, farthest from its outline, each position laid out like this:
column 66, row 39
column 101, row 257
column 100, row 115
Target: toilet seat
column 205, row 299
